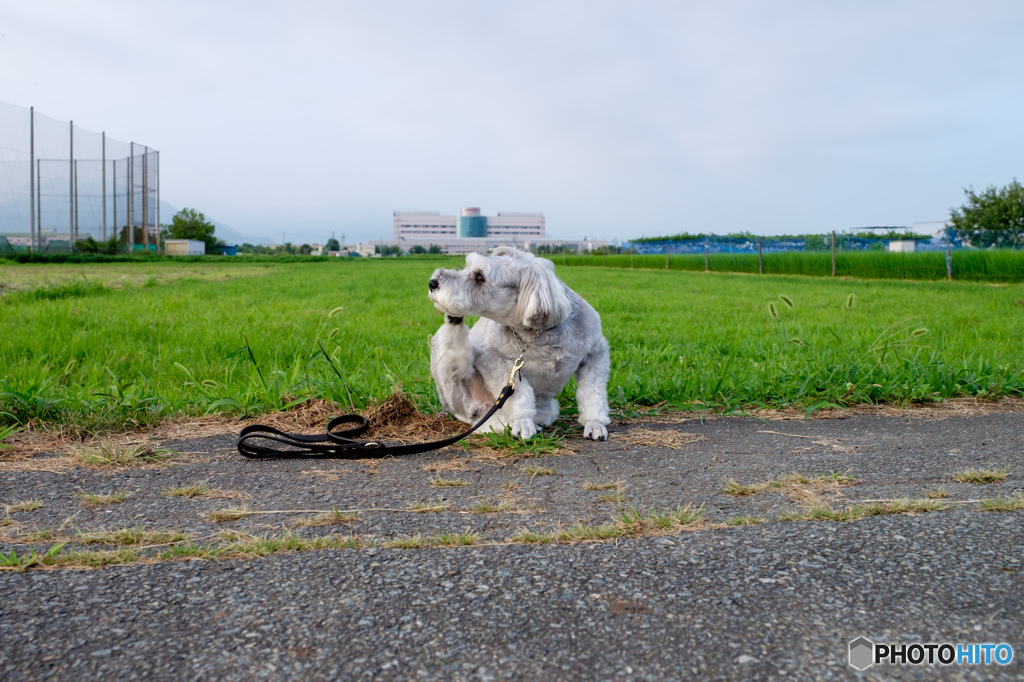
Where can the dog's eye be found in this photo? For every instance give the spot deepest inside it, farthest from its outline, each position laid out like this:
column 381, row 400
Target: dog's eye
column 479, row 277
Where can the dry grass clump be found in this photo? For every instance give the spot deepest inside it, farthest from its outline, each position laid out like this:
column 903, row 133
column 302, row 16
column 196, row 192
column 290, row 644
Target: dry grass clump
column 129, row 537
column 429, row 507
column 112, row 455
column 397, row 418
column 103, row 499
column 980, row 475
column 794, row 483
column 447, row 482
column 227, row 514
column 419, row 541
column 502, row 507
column 447, row 465
column 627, row 523
column 662, row 438
column 190, row 491
column 587, row 485
column 745, row 520
column 1011, row 503
column 819, row 510
column 327, row 519
column 25, row 506
column 252, row 546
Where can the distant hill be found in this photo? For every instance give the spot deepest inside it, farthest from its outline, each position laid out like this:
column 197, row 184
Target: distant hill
column 229, row 234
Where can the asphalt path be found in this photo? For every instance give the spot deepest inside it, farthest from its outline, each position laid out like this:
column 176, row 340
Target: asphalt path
column 775, row 600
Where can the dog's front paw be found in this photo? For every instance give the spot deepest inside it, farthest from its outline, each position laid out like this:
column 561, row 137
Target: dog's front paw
column 524, row 428
column 595, row 430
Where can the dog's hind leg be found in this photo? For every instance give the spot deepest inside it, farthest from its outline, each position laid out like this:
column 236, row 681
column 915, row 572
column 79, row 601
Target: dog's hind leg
column 592, row 392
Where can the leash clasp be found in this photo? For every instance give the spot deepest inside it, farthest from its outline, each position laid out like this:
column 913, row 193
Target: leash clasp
column 516, row 366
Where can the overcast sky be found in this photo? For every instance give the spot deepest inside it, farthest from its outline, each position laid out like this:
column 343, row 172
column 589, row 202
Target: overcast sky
column 615, row 119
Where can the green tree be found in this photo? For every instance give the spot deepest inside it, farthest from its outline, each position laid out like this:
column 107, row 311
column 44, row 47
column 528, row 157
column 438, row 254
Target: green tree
column 994, row 217
column 417, row 249
column 332, row 245
column 305, row 249
column 188, row 223
column 434, row 248
column 816, row 242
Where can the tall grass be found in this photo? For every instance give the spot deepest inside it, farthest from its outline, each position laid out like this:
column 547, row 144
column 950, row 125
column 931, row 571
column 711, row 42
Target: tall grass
column 351, row 331
column 968, row 265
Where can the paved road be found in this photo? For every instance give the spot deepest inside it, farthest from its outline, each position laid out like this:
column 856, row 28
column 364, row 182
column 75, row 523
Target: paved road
column 771, row 601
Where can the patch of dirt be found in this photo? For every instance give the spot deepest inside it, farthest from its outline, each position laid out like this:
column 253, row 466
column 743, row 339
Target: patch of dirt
column 651, row 438
column 396, row 419
column 393, row 419
column 954, row 407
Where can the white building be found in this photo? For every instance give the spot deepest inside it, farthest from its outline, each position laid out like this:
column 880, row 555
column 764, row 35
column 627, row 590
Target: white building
column 184, row 247
column 470, row 231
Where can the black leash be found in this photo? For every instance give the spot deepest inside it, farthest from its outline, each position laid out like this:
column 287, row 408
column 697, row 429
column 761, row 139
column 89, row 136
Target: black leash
column 340, row 444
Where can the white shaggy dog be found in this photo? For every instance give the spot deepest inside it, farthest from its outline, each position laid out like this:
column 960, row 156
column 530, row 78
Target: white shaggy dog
column 518, row 299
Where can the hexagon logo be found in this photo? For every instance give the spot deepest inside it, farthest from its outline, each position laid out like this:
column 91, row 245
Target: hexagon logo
column 862, row 653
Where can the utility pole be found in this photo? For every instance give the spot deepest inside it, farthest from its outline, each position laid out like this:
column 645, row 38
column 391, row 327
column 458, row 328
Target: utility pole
column 32, row 236
column 115, row 196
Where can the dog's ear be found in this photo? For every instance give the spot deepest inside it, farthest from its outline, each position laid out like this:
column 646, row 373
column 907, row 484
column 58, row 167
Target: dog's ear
column 542, row 301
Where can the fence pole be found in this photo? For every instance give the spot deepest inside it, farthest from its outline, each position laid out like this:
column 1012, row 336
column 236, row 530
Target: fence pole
column 145, row 199
column 760, row 258
column 103, row 166
column 707, row 262
column 32, row 180
column 131, row 198
column 158, row 204
column 71, row 191
column 833, row 253
column 949, row 258
column 76, row 197
column 39, row 202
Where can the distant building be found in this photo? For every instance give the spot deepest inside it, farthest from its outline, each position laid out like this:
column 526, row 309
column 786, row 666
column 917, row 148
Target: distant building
column 184, row 247
column 471, row 231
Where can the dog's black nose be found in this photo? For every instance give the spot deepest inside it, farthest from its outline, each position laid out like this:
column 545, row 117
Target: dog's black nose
column 433, row 284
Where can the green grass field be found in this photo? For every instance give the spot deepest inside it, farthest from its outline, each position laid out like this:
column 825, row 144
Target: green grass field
column 968, row 265
column 107, row 345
